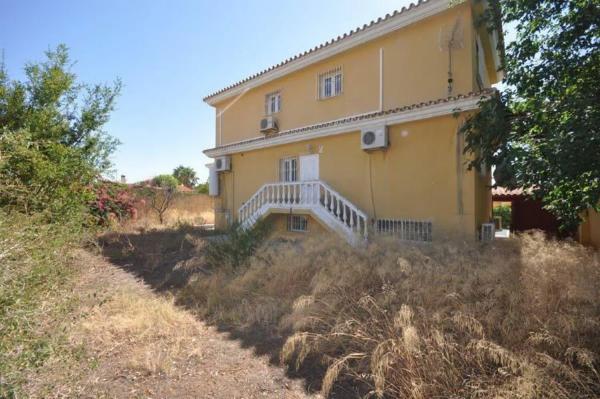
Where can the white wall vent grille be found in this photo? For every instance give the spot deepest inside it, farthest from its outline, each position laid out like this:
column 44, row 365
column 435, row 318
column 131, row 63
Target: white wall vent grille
column 488, row 231
column 405, row 229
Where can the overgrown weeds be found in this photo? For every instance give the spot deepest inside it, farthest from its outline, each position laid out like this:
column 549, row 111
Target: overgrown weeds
column 518, row 318
column 33, row 278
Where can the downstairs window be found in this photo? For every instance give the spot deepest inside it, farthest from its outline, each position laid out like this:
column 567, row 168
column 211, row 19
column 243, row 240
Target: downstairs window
column 298, row 223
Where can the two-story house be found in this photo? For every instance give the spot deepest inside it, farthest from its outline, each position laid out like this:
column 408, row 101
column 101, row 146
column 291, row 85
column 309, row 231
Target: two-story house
column 359, row 135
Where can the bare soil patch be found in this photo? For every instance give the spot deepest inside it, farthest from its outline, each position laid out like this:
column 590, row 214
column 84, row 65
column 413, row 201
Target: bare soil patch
column 125, row 340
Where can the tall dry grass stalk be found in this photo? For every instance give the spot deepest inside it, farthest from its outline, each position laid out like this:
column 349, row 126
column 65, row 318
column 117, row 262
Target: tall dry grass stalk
column 519, row 318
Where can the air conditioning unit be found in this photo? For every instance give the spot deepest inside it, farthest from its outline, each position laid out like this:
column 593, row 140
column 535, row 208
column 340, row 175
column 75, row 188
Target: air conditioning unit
column 222, row 164
column 374, row 137
column 488, row 231
column 268, row 125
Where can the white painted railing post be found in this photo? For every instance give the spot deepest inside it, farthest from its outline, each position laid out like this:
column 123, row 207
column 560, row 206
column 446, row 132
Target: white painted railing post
column 313, row 195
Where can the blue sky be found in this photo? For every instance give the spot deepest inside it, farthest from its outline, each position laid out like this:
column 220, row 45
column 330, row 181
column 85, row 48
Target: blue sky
column 170, row 54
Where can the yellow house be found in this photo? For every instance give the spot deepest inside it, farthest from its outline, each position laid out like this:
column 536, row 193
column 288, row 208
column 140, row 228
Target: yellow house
column 359, row 135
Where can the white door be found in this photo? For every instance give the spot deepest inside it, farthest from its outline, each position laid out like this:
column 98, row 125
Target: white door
column 309, row 167
column 309, row 170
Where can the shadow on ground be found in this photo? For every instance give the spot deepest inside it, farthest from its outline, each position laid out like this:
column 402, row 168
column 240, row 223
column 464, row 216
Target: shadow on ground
column 166, row 258
column 163, row 258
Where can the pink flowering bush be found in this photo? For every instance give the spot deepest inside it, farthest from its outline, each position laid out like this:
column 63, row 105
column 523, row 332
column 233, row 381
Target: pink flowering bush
column 113, row 203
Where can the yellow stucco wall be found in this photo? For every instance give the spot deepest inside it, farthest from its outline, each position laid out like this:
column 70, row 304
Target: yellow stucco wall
column 415, row 69
column 483, row 197
column 422, row 175
column 589, row 231
column 279, row 226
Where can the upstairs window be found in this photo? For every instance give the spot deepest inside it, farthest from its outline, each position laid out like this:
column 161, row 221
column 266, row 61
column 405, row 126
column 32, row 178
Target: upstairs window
column 330, row 83
column 272, row 103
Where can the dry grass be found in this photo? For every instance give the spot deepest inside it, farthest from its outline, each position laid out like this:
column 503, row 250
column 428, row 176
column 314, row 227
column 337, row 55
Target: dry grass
column 150, row 330
column 508, row 319
column 189, row 208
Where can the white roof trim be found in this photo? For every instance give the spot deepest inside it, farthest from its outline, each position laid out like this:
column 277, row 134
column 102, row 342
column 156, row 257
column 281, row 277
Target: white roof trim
column 424, row 112
column 422, row 11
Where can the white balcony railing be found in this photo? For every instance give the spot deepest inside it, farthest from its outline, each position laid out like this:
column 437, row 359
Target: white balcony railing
column 314, row 196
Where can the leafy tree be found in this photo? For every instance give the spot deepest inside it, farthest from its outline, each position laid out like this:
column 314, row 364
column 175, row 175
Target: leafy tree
column 505, row 213
column 165, row 181
column 543, row 132
column 52, row 146
column 186, row 176
column 202, row 188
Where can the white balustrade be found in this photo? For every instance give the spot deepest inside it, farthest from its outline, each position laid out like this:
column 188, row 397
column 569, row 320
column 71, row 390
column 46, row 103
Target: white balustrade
column 311, row 195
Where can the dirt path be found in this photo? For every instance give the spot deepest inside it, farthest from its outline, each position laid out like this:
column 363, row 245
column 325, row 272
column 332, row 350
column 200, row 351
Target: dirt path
column 126, row 341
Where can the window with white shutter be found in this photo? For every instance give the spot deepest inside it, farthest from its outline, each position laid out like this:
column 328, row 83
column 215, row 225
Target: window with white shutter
column 288, row 169
column 272, row 103
column 330, row 83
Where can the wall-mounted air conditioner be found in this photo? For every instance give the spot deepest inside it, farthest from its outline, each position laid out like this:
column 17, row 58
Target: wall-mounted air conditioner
column 374, row 137
column 268, row 124
column 222, row 163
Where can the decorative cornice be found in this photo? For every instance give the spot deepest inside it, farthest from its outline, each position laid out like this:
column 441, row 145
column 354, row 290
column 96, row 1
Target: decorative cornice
column 409, row 113
column 382, row 26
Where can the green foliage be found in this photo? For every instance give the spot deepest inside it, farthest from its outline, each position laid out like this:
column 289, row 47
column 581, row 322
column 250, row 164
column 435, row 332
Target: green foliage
column 202, row 188
column 186, row 176
column 113, row 202
column 34, row 281
column 165, row 181
column 505, row 212
column 52, row 146
column 543, row 132
column 43, row 176
column 236, row 246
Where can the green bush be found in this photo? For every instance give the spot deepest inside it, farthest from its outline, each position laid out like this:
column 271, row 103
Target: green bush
column 113, row 202
column 34, row 281
column 236, row 246
column 52, row 144
column 165, row 181
column 202, row 188
column 504, row 212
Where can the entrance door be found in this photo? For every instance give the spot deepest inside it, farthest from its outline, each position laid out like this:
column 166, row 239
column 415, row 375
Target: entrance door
column 309, row 167
column 309, row 170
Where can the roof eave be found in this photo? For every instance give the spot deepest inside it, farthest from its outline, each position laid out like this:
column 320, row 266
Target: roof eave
column 431, row 109
column 383, row 26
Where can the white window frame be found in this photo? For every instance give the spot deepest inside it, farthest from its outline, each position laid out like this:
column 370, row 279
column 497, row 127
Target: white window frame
column 288, row 169
column 273, row 103
column 298, row 223
column 330, row 84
